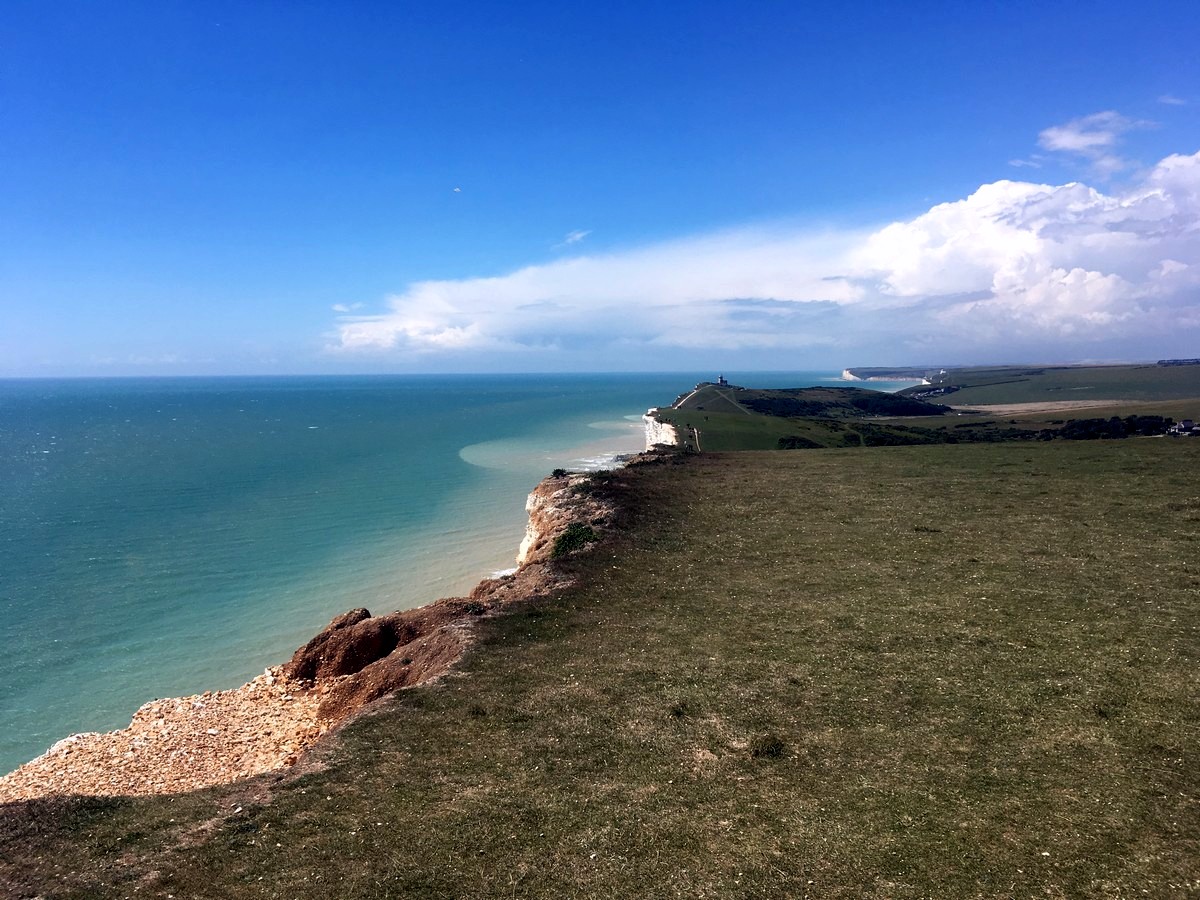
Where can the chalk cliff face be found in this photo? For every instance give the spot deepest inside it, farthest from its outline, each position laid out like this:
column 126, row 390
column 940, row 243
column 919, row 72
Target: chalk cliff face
column 554, row 504
column 543, row 515
column 659, row 432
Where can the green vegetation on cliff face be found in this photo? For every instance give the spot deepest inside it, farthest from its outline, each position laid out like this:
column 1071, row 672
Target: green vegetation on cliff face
column 951, row 671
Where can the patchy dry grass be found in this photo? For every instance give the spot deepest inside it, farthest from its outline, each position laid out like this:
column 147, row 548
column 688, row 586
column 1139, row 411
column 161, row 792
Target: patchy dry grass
column 951, row 671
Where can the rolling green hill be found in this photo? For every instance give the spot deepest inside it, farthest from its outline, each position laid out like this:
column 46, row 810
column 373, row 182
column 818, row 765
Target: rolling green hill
column 1021, row 384
column 828, row 402
column 725, row 417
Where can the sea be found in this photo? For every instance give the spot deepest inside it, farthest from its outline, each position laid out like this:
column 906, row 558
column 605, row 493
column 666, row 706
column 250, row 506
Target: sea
column 162, row 537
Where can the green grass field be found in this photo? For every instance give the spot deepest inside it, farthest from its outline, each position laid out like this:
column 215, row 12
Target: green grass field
column 742, row 431
column 714, row 418
column 1013, row 384
column 942, row 671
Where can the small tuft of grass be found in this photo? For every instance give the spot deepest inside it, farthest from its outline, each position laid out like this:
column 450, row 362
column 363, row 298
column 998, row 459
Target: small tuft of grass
column 681, row 710
column 768, row 745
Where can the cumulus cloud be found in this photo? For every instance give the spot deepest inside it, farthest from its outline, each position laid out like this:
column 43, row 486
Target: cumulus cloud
column 1014, row 265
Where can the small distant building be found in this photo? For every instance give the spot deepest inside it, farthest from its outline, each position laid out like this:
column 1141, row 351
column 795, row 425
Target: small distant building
column 1186, row 428
column 721, row 382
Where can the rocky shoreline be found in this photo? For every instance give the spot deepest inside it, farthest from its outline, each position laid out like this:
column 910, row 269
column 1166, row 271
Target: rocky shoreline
column 187, row 743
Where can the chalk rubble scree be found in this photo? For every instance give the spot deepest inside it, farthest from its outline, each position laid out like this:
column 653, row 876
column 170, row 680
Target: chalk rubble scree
column 182, row 744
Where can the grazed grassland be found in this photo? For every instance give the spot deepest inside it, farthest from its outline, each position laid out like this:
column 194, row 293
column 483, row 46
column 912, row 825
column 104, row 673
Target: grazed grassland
column 1019, row 384
column 941, row 671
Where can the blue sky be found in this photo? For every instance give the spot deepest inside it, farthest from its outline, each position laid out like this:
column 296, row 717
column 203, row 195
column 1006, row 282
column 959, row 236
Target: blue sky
column 192, row 188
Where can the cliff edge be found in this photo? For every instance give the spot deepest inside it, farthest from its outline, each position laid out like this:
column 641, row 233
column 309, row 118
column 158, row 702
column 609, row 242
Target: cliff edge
column 186, row 743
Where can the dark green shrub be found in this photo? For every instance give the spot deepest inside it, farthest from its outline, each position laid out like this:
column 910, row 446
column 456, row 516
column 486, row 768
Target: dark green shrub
column 576, row 537
column 897, row 435
column 598, row 483
column 1113, row 428
column 796, row 442
column 881, row 404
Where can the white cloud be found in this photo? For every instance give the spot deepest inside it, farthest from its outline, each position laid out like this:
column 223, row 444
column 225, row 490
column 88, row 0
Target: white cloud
column 140, row 360
column 1085, row 134
column 1172, row 100
column 574, row 237
column 1015, row 264
column 346, row 307
column 1092, row 137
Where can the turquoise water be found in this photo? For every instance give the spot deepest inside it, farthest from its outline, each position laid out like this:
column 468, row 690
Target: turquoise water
column 162, row 537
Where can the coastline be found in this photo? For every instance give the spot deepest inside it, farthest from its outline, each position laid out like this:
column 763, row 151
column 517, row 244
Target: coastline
column 267, row 724
column 708, row 626
column 172, row 505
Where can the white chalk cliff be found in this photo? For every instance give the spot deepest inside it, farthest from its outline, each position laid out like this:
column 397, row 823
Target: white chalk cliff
column 658, row 432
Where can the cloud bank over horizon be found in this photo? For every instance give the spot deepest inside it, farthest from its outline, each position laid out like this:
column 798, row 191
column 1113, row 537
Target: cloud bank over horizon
column 1016, row 270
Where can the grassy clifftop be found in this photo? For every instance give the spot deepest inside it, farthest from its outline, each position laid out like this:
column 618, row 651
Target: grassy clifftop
column 1036, row 404
column 725, row 417
column 832, row 402
column 1025, row 384
column 910, row 671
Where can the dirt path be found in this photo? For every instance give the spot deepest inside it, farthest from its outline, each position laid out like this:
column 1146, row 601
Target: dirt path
column 1016, row 409
column 724, row 395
